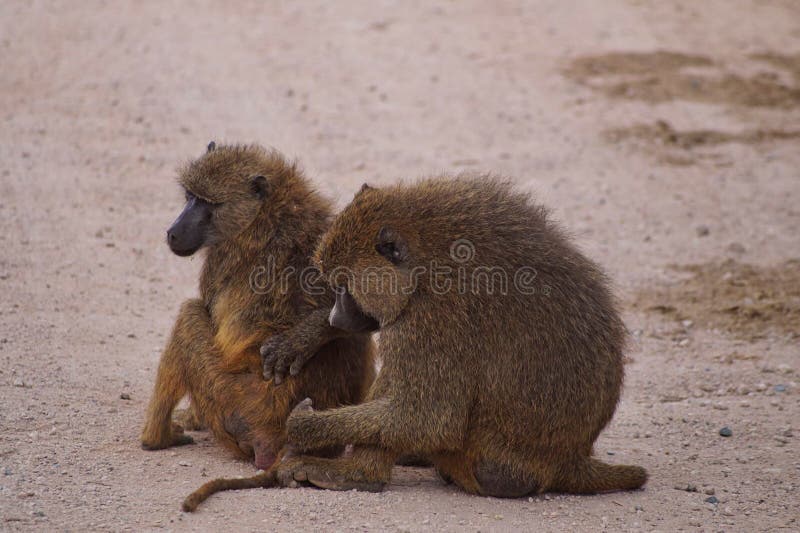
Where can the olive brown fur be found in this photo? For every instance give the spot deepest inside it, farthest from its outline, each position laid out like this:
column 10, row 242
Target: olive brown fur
column 505, row 391
column 248, row 207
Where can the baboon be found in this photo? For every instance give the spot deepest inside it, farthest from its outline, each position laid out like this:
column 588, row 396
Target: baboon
column 504, row 389
column 259, row 220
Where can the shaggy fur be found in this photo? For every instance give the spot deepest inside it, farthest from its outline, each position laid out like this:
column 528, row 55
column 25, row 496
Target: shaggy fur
column 213, row 353
column 506, row 393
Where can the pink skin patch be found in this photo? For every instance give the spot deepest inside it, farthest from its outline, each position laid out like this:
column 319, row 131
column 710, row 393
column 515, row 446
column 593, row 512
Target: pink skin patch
column 264, row 455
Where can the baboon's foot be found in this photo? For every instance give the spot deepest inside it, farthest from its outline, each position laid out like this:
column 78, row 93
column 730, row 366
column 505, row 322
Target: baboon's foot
column 188, row 419
column 324, row 474
column 176, row 437
column 501, row 482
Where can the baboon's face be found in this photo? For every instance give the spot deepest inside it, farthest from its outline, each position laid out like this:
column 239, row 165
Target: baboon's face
column 224, row 194
column 348, row 316
column 369, row 263
column 194, row 227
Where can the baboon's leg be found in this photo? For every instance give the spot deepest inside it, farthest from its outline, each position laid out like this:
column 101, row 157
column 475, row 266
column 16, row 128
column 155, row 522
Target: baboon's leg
column 171, row 383
column 457, row 468
column 485, row 476
column 367, row 469
column 244, row 412
column 502, row 481
column 189, row 419
column 192, row 364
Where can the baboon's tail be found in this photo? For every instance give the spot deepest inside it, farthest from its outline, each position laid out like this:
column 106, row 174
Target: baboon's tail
column 588, row 476
column 265, row 479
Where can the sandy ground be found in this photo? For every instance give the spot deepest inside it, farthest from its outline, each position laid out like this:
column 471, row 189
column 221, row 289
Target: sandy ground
column 663, row 134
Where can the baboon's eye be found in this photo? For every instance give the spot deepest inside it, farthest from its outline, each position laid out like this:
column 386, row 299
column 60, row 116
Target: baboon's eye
column 391, row 246
column 389, row 251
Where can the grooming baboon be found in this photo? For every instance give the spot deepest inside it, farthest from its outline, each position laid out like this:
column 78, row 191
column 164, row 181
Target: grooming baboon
column 505, row 386
column 505, row 390
column 252, row 210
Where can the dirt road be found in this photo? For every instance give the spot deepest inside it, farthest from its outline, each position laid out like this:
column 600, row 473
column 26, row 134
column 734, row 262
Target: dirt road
column 664, row 135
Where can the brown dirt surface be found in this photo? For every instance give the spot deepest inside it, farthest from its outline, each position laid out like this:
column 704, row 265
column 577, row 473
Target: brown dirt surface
column 662, row 76
column 669, row 145
column 694, row 219
column 744, row 300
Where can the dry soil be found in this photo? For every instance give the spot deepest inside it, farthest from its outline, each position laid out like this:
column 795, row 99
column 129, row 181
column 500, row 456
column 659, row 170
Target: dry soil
column 662, row 134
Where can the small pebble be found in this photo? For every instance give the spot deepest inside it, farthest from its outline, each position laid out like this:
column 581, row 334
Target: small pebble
column 712, row 499
column 709, row 491
column 725, row 432
column 184, row 463
column 702, row 230
column 124, row 396
column 736, row 248
column 779, row 388
column 18, row 383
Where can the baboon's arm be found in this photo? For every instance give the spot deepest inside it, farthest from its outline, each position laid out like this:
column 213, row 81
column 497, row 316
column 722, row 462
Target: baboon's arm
column 292, row 349
column 382, row 423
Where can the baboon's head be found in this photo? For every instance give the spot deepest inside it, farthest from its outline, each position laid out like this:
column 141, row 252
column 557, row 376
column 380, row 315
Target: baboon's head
column 225, row 189
column 368, row 256
column 394, row 246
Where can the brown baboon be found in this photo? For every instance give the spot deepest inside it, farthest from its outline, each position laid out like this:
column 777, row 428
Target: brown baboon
column 505, row 386
column 259, row 220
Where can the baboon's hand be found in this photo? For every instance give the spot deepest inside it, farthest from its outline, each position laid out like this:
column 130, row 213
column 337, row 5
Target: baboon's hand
column 280, row 353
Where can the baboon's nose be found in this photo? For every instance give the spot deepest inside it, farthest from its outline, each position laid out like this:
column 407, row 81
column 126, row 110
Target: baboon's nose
column 170, row 237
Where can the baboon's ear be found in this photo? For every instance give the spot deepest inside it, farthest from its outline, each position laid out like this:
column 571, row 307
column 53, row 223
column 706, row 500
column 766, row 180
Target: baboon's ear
column 211, row 147
column 259, row 186
column 365, row 187
column 392, row 246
